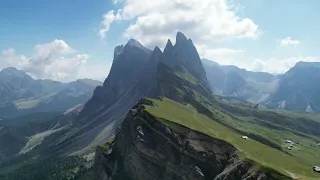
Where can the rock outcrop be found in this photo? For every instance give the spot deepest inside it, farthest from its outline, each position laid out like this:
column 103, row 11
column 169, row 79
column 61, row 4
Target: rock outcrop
column 147, row 149
column 184, row 53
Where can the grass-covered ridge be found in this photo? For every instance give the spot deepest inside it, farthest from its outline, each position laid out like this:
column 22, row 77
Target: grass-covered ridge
column 297, row 164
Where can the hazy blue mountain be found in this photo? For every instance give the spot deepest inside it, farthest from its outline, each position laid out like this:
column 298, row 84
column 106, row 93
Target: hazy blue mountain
column 298, row 88
column 229, row 80
column 21, row 94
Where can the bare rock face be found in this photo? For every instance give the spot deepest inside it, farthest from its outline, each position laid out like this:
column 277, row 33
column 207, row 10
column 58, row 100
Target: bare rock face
column 184, row 53
column 146, row 149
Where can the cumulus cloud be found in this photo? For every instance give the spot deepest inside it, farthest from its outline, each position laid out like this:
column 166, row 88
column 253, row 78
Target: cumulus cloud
column 9, row 58
column 215, row 53
column 49, row 61
column 155, row 21
column 97, row 70
column 279, row 66
column 55, row 60
column 107, row 20
column 223, row 56
column 289, row 42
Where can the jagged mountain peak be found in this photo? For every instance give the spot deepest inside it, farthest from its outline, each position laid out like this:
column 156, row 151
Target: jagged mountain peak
column 169, row 46
column 124, row 53
column 180, row 38
column 157, row 50
column 155, row 56
column 134, row 43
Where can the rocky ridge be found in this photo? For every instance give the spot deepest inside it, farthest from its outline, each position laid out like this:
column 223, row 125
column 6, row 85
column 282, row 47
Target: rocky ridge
column 146, row 149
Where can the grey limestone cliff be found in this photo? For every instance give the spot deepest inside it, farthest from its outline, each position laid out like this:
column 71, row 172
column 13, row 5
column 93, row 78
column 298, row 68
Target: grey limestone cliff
column 147, row 149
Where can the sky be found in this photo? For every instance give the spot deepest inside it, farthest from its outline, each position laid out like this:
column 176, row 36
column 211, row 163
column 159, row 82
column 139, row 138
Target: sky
column 67, row 40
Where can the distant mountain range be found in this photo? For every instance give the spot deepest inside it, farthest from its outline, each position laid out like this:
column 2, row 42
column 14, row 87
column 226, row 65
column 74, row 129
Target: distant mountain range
column 21, row 94
column 297, row 89
column 156, row 117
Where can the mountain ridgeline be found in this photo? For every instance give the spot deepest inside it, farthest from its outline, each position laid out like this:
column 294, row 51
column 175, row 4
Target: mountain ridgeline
column 21, row 94
column 294, row 90
column 136, row 73
column 298, row 89
column 155, row 117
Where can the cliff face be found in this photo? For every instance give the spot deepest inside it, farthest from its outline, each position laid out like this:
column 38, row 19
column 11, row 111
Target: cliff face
column 145, row 148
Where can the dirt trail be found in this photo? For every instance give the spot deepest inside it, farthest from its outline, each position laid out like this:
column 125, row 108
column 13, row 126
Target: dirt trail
column 195, row 118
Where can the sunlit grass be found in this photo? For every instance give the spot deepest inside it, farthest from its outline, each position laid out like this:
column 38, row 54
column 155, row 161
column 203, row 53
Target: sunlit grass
column 299, row 164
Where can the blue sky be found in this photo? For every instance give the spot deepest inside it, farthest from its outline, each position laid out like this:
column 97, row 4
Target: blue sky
column 259, row 35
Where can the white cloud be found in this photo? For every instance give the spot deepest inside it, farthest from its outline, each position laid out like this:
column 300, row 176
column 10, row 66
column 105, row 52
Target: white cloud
column 214, row 53
column 223, row 56
column 155, row 21
column 98, row 71
column 55, row 60
column 105, row 24
column 9, row 58
column 279, row 66
column 289, row 42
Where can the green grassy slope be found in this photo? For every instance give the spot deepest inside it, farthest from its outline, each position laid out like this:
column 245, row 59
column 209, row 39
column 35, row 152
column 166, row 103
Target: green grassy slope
column 297, row 163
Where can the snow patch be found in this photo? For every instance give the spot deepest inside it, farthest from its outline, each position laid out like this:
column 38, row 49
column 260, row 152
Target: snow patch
column 37, row 139
column 309, row 108
column 75, row 109
column 282, row 105
column 89, row 157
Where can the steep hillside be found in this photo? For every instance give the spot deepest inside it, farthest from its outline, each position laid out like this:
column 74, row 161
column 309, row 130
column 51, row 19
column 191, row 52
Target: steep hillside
column 163, row 139
column 150, row 145
column 22, row 134
column 21, row 94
